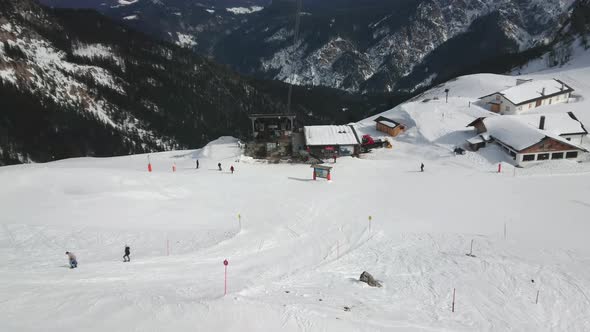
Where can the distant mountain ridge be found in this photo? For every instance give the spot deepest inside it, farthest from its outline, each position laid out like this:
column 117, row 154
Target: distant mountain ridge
column 359, row 46
column 74, row 83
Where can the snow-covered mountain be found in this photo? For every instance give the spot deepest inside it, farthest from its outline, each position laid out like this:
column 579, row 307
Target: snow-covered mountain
column 375, row 45
column 73, row 83
column 296, row 247
column 193, row 24
column 376, row 48
column 124, row 3
column 570, row 43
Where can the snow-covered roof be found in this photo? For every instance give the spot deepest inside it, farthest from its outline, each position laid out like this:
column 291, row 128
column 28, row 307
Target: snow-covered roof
column 533, row 90
column 476, row 140
column 330, row 135
column 387, row 122
column 556, row 123
column 512, row 132
column 518, row 134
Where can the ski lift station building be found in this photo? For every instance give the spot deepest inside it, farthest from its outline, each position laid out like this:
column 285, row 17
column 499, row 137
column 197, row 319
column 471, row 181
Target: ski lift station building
column 327, row 141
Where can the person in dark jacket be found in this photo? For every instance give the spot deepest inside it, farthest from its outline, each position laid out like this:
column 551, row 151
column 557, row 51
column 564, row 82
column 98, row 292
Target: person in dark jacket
column 197, row 163
column 422, row 167
column 232, row 169
column 127, row 253
column 219, row 165
column 72, row 259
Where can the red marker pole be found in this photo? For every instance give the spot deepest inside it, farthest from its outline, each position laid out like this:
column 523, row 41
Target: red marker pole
column 149, row 164
column 225, row 263
column 499, row 167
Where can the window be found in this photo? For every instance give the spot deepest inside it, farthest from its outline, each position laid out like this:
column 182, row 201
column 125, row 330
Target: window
column 530, row 105
column 528, row 157
column 557, row 155
column 550, row 101
column 507, row 108
column 542, row 156
column 568, row 138
column 497, row 97
column 571, row 155
column 346, row 150
column 513, row 154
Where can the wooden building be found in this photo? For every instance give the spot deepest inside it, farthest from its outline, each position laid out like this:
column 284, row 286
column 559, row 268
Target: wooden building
column 527, row 95
column 389, row 126
column 527, row 143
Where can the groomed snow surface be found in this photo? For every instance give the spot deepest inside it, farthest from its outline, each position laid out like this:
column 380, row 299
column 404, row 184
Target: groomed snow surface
column 299, row 246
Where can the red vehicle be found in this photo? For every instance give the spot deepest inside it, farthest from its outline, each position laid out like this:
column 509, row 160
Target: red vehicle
column 369, row 143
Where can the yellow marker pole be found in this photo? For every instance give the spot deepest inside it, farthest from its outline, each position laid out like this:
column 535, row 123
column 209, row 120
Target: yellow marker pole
column 370, row 218
column 240, row 220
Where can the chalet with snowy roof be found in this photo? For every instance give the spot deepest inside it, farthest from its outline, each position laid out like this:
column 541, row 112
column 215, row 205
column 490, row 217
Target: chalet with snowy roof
column 389, row 126
column 554, row 136
column 326, row 141
column 527, row 95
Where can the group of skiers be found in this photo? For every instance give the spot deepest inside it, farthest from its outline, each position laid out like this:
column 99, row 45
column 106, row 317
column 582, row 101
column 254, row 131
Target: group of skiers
column 74, row 262
column 232, row 169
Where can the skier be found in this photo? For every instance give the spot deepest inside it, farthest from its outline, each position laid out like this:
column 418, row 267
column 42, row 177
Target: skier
column 232, row 169
column 219, row 165
column 197, row 163
column 334, row 158
column 72, row 258
column 422, row 167
column 127, row 253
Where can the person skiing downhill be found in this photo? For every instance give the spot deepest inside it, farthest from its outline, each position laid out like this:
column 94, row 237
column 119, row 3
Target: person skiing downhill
column 127, row 253
column 422, row 167
column 197, row 163
column 232, row 169
column 72, row 259
column 219, row 165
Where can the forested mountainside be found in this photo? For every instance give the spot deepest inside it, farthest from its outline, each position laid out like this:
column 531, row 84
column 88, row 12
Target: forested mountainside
column 74, row 83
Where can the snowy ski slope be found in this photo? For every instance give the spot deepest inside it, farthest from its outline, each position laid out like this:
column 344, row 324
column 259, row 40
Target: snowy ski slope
column 300, row 245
